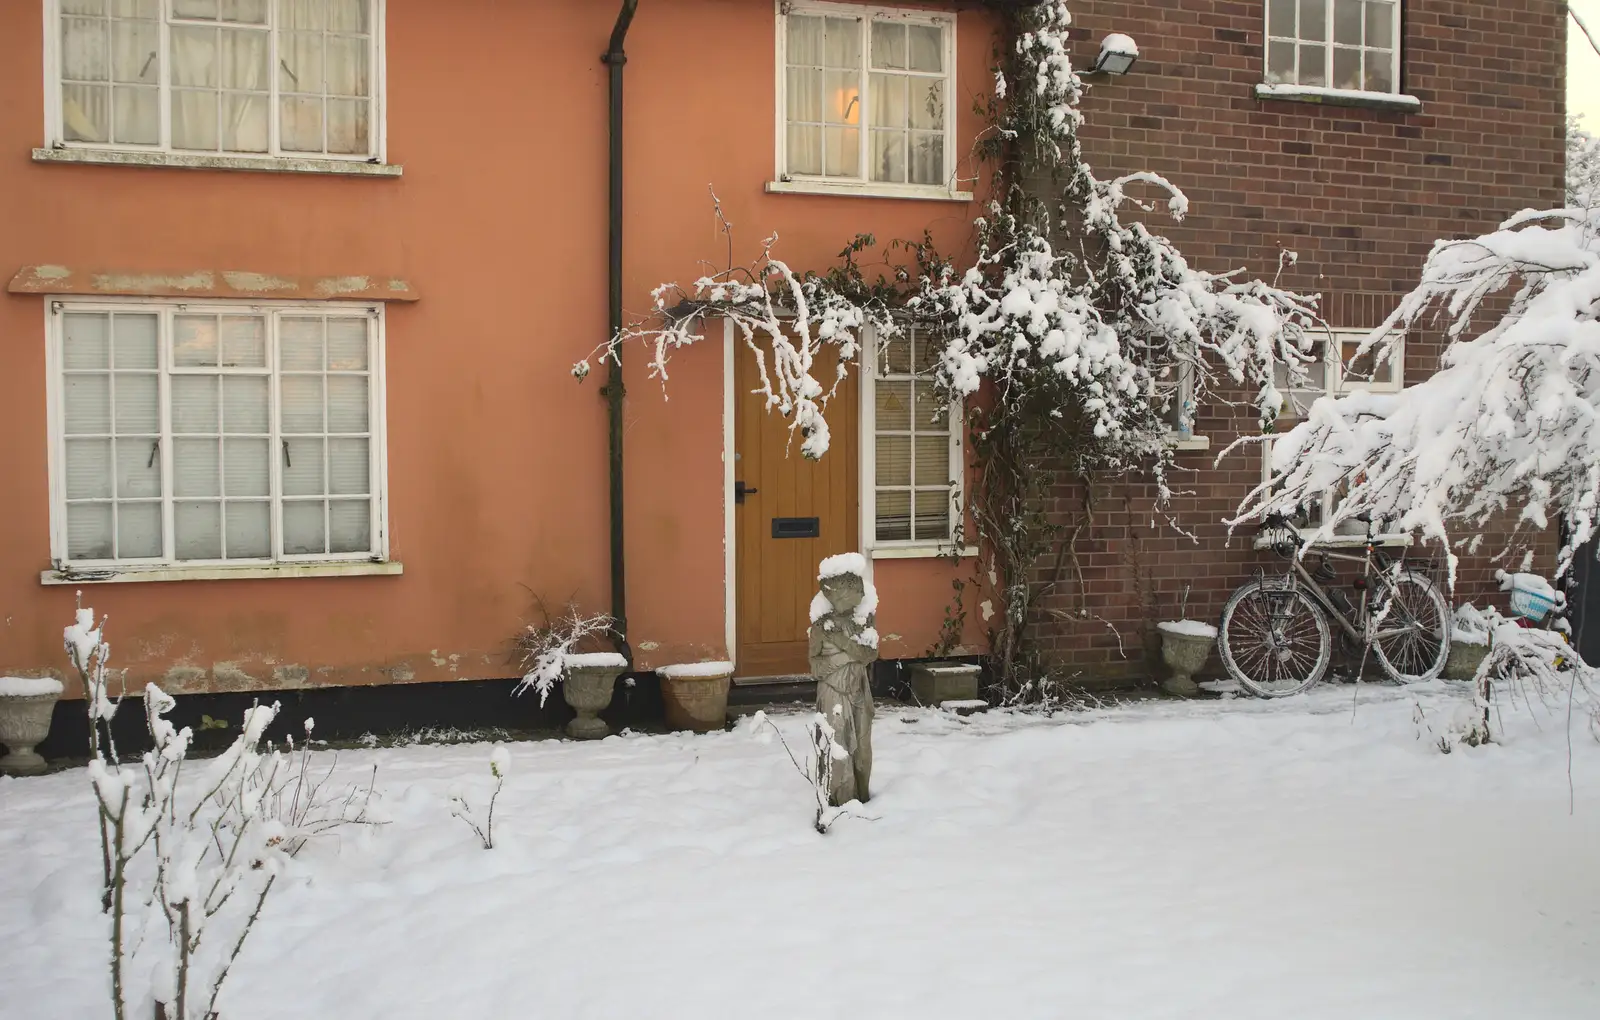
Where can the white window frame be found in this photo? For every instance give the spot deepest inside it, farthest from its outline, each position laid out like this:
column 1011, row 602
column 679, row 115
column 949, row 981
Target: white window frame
column 905, row 548
column 169, row 567
column 1181, row 385
column 785, row 182
column 1344, row 382
column 1340, row 383
column 1327, row 43
column 55, row 131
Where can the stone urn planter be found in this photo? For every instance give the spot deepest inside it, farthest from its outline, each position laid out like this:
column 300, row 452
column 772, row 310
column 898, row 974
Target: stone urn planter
column 587, row 687
column 934, row 683
column 26, row 704
column 1185, row 647
column 1465, row 656
column 695, row 695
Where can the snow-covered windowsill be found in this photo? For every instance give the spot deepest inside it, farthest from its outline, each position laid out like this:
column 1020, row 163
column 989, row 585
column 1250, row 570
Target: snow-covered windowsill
column 112, row 575
column 859, row 189
column 203, row 161
column 1180, row 442
column 1340, row 541
column 1340, row 97
column 921, row 552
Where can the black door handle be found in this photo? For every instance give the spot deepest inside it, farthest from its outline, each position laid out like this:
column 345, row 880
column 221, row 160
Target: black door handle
column 740, row 492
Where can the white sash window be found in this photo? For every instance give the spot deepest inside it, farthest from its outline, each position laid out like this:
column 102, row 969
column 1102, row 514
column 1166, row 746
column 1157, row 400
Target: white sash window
column 213, row 434
column 230, row 77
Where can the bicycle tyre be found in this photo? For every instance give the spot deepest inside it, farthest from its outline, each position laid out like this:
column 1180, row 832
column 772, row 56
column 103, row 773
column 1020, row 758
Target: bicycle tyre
column 1253, row 604
column 1411, row 652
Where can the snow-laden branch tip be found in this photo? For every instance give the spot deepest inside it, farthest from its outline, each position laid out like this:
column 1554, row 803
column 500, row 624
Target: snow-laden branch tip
column 1508, row 428
column 786, row 319
column 460, row 807
column 546, row 650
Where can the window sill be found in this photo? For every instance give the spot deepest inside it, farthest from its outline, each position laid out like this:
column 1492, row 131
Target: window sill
column 197, row 161
column 1340, row 97
column 112, row 575
column 848, row 190
column 1181, row 442
column 1341, row 541
column 921, row 552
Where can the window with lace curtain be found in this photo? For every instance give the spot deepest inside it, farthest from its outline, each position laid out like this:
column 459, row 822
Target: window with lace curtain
column 236, row 77
column 915, row 447
column 865, row 94
column 199, row 433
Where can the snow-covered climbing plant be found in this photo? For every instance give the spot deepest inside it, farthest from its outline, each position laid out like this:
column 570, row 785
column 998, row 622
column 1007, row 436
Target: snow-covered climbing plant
column 1071, row 326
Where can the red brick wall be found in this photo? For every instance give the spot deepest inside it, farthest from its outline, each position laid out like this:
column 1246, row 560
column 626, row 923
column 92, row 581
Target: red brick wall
column 1360, row 194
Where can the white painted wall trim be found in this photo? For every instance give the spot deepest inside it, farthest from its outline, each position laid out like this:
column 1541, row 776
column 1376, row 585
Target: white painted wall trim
column 354, row 568
column 920, row 192
column 867, row 449
column 1339, row 97
column 922, row 552
column 730, row 576
column 55, row 454
column 202, row 161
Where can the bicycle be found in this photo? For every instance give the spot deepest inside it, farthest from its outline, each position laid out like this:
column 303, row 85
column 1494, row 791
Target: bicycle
column 1275, row 638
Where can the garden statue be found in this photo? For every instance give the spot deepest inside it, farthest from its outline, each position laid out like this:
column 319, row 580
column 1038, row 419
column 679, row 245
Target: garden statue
column 843, row 646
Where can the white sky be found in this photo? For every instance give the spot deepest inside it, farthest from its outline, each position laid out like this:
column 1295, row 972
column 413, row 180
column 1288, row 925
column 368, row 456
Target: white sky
column 1583, row 66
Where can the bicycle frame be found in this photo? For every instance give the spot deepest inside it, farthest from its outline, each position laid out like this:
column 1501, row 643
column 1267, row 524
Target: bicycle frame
column 1302, row 579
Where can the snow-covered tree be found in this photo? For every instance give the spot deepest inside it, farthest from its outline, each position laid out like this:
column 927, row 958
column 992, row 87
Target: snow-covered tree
column 1507, row 428
column 1583, row 166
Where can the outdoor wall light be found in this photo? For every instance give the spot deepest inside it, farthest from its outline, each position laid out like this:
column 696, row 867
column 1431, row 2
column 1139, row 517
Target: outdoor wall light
column 1118, row 54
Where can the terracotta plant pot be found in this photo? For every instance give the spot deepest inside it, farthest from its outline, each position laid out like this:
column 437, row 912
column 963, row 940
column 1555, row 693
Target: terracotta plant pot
column 588, row 688
column 26, row 705
column 696, row 695
column 1185, row 649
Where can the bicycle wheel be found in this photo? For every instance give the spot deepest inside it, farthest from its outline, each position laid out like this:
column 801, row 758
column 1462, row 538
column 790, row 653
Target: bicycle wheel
column 1412, row 641
column 1274, row 640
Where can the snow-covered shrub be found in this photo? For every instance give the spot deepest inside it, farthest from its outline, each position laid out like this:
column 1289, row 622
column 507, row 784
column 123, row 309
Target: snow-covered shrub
column 88, row 652
column 1469, row 625
column 499, row 768
column 190, row 861
column 817, row 770
column 1530, row 664
column 544, row 649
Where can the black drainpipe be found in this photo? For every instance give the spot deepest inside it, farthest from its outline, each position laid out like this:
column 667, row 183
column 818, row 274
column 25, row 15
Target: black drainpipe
column 615, row 58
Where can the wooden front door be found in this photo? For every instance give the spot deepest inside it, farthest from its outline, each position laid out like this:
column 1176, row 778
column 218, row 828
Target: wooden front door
column 794, row 512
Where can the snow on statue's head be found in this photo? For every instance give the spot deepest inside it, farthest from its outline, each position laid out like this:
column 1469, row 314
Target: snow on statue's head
column 844, row 592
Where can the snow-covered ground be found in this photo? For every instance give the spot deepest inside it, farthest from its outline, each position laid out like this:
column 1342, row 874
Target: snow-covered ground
column 1305, row 858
